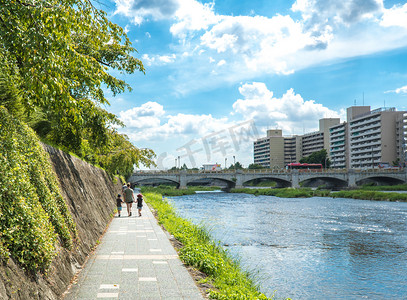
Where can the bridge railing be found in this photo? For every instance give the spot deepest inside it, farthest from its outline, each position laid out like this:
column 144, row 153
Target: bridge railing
column 245, row 171
column 269, row 171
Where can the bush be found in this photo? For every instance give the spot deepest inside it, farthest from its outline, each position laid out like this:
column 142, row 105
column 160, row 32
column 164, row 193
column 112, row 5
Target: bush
column 33, row 214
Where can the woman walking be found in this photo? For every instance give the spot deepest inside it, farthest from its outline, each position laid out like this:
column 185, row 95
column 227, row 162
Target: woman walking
column 128, row 198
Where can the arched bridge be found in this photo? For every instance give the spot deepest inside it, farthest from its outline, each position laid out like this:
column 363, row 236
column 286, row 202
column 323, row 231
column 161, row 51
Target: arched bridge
column 283, row 178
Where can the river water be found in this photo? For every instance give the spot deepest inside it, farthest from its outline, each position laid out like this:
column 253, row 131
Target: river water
column 312, row 248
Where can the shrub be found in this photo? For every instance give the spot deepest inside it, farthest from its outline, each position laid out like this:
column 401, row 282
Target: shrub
column 33, row 214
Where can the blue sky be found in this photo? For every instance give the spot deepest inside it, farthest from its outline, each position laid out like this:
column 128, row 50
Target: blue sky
column 220, row 73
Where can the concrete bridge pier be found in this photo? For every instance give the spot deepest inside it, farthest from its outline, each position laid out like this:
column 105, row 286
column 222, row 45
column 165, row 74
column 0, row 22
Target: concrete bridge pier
column 295, row 179
column 182, row 179
column 351, row 178
column 239, row 179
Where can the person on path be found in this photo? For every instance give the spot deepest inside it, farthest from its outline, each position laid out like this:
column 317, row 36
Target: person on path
column 119, row 202
column 124, row 187
column 139, row 204
column 128, row 198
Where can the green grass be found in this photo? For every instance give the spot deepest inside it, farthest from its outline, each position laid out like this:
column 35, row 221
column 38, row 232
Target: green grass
column 307, row 192
column 398, row 187
column 284, row 192
column 173, row 191
column 370, row 195
column 200, row 251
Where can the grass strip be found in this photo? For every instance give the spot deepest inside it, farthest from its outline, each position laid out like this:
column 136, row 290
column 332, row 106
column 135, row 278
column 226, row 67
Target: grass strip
column 371, row 195
column 201, row 252
column 284, row 192
column 397, row 187
column 172, row 191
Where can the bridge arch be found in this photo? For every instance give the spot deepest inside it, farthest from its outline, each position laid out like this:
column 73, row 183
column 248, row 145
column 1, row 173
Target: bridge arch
column 149, row 180
column 380, row 180
column 281, row 183
column 322, row 180
column 229, row 183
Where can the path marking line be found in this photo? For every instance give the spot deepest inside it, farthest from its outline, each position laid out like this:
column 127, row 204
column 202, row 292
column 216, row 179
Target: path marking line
column 147, row 279
column 108, row 295
column 138, row 257
column 129, row 270
column 160, row 262
column 131, row 231
column 108, row 286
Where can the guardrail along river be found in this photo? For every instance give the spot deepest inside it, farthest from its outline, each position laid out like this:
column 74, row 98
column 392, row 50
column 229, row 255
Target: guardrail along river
column 313, row 248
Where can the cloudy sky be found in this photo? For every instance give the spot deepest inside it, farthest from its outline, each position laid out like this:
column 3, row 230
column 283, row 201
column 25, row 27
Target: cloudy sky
column 220, row 73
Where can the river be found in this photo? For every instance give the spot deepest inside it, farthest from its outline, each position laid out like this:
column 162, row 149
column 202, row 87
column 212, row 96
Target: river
column 310, row 248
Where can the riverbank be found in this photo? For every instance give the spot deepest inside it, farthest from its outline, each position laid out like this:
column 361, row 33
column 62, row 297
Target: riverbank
column 284, row 192
column 172, row 191
column 197, row 249
column 364, row 194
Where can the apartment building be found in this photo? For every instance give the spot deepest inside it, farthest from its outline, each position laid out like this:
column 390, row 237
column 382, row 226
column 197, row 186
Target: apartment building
column 401, row 138
column 292, row 149
column 369, row 139
column 261, row 150
column 316, row 141
column 276, row 151
column 269, row 151
column 337, row 148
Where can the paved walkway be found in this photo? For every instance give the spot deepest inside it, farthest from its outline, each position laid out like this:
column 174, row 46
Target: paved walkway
column 135, row 260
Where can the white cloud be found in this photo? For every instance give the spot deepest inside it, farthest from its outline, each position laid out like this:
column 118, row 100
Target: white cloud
column 280, row 44
column 402, row 90
column 151, row 116
column 291, row 112
column 347, row 12
column 139, row 10
column 210, row 139
column 193, row 16
column 221, row 63
column 147, row 115
column 395, row 16
column 158, row 59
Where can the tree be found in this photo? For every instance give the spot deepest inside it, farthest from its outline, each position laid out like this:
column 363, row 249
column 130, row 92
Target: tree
column 121, row 155
column 56, row 57
column 63, row 50
column 255, row 166
column 319, row 157
column 237, row 166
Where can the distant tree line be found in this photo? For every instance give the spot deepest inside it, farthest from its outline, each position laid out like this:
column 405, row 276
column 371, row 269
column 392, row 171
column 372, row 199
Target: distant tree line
column 319, row 157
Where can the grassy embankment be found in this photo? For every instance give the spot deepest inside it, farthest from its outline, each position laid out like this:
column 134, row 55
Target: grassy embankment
column 370, row 195
column 200, row 251
column 284, row 192
column 34, row 217
column 172, row 191
column 398, row 187
column 365, row 193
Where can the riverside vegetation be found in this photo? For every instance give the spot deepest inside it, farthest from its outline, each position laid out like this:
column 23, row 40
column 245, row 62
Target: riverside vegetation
column 172, row 191
column 34, row 217
column 201, row 252
column 364, row 193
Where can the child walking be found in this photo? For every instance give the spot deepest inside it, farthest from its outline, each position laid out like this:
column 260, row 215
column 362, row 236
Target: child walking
column 139, row 204
column 119, row 202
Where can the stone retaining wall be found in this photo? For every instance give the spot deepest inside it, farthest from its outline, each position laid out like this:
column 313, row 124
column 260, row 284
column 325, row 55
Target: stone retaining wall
column 90, row 195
